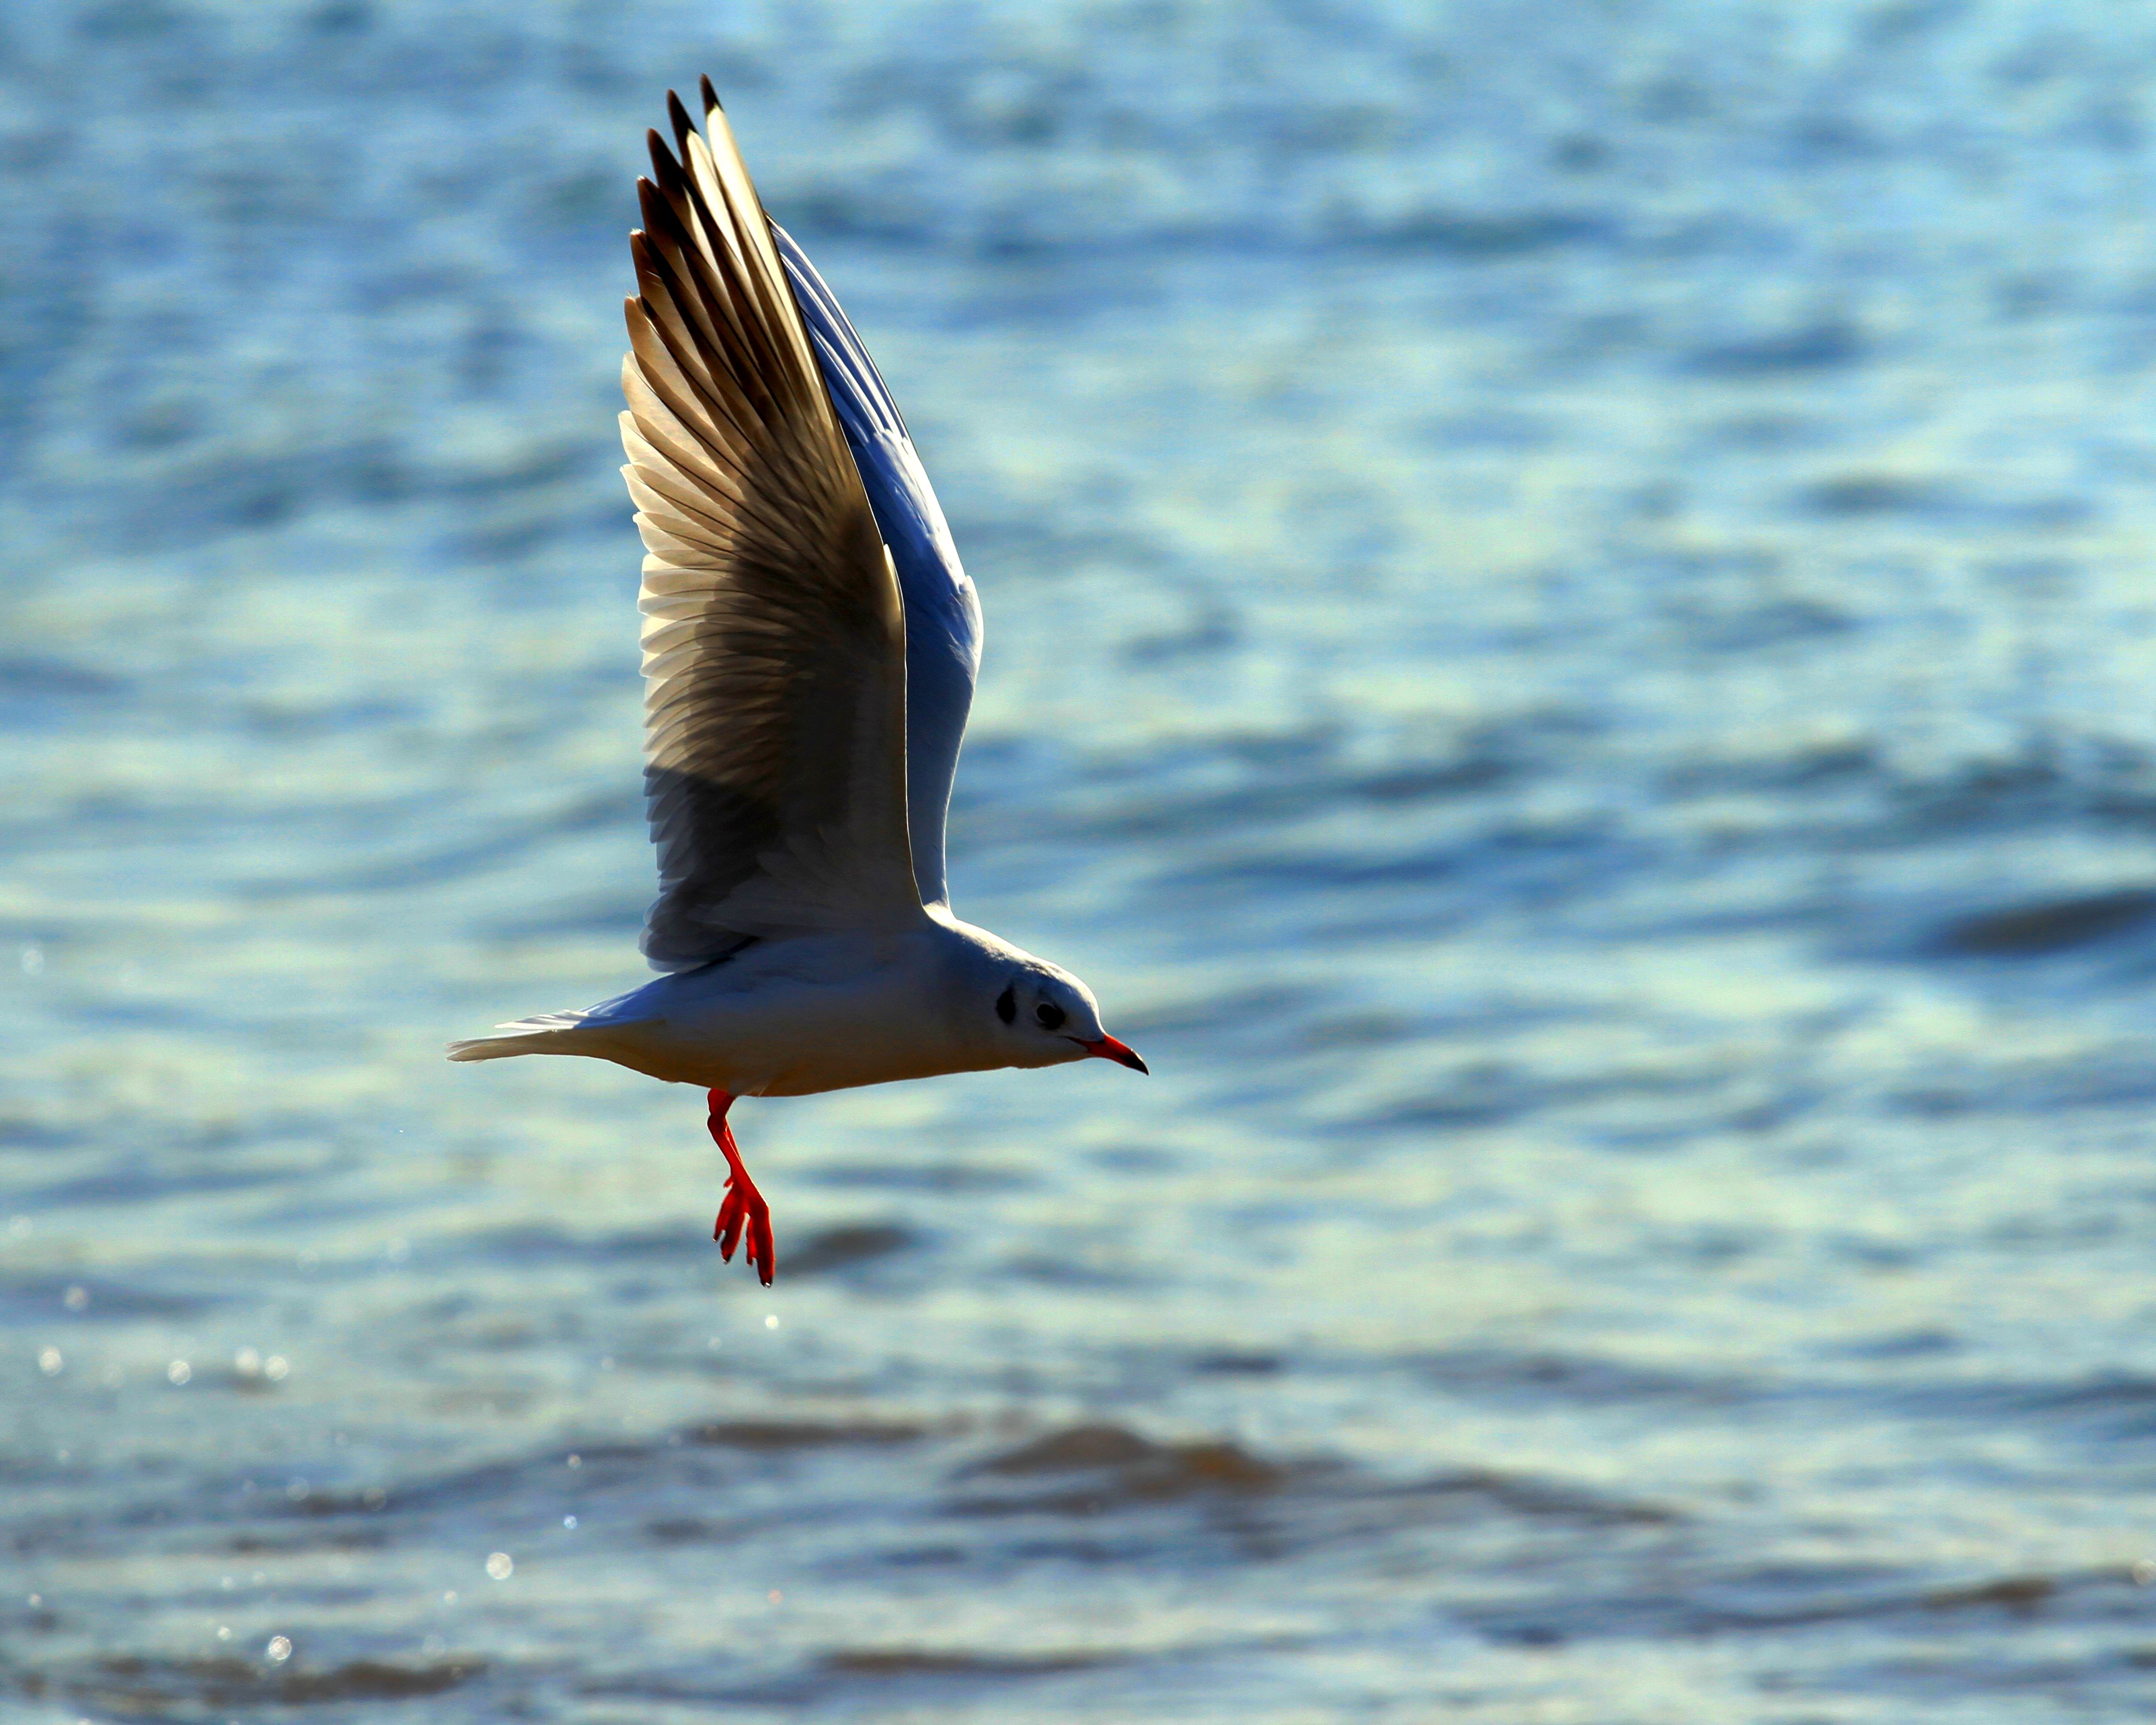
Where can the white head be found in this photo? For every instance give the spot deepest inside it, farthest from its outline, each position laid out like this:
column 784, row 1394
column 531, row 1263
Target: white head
column 1027, row 1011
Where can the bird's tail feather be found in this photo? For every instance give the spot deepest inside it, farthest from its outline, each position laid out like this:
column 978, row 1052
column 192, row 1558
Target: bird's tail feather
column 545, row 1034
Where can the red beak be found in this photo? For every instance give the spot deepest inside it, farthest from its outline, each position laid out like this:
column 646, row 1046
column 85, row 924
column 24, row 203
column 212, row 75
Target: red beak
column 1108, row 1049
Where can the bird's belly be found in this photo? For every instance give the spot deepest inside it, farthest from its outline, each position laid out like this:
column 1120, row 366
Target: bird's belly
column 798, row 1048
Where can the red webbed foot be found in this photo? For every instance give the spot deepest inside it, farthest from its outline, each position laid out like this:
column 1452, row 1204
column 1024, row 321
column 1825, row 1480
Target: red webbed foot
column 744, row 1208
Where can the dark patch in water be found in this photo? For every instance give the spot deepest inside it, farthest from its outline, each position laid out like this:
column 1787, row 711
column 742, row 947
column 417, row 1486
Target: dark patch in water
column 1079, row 1447
column 1870, row 493
column 1904, row 1344
column 1239, row 1365
column 131, row 1684
column 1469, row 234
column 1814, row 348
column 681, row 1530
column 2019, row 1593
column 847, row 1248
column 1858, row 495
column 772, row 1435
column 1214, row 629
column 2032, row 931
column 1537, row 1499
column 343, row 1539
column 1593, row 1381
column 1123, row 1469
column 1771, row 1602
column 914, row 1662
column 40, row 678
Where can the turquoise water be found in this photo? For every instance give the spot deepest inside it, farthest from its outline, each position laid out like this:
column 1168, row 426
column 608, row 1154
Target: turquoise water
column 1569, row 649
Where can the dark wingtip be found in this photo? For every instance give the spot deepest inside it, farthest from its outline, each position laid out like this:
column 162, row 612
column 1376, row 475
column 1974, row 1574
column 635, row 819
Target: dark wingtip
column 711, row 96
column 678, row 117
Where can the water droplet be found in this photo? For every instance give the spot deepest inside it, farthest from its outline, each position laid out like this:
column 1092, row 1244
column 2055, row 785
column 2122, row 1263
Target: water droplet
column 224, row 1632
column 178, row 1372
column 569, row 1522
column 374, row 1497
column 575, row 1461
column 76, row 1298
column 247, row 1362
column 776, row 1597
column 309, row 1257
column 227, row 1583
column 606, row 1363
column 276, row 1368
column 33, row 961
column 770, row 1320
column 50, row 1362
column 450, row 1597
column 296, row 1491
column 2145, row 1573
column 279, row 1650
column 36, row 1600
column 501, row 1566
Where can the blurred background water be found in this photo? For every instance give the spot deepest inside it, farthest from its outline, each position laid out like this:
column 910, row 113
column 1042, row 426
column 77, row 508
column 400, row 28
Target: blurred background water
column 1569, row 648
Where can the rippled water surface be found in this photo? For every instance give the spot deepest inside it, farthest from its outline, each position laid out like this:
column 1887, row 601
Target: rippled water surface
column 1570, row 649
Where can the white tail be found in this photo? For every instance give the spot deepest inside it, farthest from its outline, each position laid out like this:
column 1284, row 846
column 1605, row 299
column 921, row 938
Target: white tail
column 543, row 1035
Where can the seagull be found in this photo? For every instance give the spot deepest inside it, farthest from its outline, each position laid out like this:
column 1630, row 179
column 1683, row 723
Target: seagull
column 810, row 642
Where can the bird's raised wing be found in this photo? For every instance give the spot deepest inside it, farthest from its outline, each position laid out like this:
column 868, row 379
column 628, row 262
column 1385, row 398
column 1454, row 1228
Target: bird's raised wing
column 942, row 613
column 774, row 644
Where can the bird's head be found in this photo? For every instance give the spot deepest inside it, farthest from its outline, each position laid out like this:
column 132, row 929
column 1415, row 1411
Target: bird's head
column 1044, row 1017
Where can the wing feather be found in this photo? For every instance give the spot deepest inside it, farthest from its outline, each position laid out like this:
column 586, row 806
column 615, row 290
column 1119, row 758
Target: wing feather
column 942, row 613
column 774, row 638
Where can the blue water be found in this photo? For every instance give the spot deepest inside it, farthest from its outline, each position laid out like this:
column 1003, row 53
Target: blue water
column 1570, row 649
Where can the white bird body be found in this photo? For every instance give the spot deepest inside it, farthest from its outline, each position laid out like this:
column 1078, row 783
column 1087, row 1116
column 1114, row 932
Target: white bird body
column 813, row 1013
column 809, row 647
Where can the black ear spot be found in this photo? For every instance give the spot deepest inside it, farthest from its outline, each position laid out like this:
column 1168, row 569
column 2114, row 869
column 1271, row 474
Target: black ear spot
column 1007, row 1004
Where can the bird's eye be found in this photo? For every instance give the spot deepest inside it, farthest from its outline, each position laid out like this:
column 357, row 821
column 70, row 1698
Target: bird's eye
column 1048, row 1015
column 1007, row 1004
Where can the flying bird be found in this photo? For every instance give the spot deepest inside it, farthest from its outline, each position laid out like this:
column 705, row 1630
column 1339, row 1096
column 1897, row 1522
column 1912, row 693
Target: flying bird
column 810, row 642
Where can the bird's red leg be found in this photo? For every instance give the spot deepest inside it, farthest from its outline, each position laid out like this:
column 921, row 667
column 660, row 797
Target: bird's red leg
column 744, row 1204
